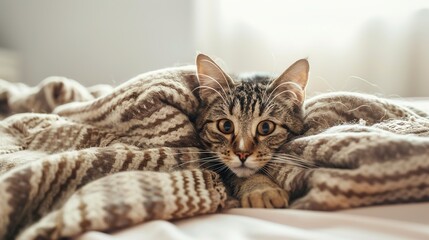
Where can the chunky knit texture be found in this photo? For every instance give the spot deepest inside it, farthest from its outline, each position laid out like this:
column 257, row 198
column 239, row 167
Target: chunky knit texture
column 102, row 160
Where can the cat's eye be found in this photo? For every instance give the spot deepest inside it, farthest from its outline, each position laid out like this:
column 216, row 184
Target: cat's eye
column 225, row 126
column 266, row 127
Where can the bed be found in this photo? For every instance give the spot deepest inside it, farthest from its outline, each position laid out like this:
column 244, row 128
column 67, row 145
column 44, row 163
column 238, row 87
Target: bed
column 65, row 172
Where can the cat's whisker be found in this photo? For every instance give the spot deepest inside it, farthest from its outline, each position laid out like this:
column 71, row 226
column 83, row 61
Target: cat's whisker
column 291, row 158
column 212, row 162
column 211, row 167
column 219, row 168
column 220, row 95
column 190, row 162
column 220, row 70
column 285, row 91
column 293, row 162
column 199, row 160
column 284, row 83
column 177, row 151
column 224, row 168
column 186, row 153
column 266, row 90
column 178, row 166
column 203, row 159
column 264, row 99
column 297, row 161
column 220, row 85
column 266, row 172
column 274, row 167
column 216, row 160
column 285, row 154
column 267, row 109
column 187, row 165
column 280, row 154
column 210, row 156
column 294, row 165
column 271, row 104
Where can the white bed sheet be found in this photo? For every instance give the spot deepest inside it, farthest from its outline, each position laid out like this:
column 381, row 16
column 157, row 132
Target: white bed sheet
column 403, row 221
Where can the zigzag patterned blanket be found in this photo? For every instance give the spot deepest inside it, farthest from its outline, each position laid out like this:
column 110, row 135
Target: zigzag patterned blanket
column 131, row 155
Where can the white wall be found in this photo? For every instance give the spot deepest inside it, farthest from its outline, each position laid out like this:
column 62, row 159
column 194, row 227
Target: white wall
column 385, row 43
column 97, row 41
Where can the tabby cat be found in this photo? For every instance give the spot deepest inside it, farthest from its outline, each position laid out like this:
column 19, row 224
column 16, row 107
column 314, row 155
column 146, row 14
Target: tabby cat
column 243, row 119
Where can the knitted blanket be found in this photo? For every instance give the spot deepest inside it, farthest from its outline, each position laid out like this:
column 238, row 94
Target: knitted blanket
column 74, row 159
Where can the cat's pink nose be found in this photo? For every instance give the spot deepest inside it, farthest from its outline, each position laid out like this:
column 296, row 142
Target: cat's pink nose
column 243, row 156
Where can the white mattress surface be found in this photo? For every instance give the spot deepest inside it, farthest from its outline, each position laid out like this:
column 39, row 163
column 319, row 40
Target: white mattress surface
column 404, row 221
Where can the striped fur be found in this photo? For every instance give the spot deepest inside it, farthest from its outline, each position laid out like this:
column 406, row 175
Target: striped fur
column 111, row 162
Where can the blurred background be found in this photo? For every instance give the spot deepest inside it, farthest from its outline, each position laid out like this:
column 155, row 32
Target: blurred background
column 374, row 46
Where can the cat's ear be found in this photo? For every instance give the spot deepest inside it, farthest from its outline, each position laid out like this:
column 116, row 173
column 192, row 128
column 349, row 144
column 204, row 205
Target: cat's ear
column 292, row 82
column 213, row 81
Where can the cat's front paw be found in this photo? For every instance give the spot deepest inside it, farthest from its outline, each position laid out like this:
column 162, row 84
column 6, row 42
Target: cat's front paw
column 265, row 198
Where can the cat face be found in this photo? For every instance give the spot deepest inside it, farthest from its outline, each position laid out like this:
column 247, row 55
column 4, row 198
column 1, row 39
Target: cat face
column 243, row 121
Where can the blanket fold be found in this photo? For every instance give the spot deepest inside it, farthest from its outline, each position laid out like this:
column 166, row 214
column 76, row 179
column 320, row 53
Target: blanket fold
column 74, row 159
column 362, row 166
column 148, row 196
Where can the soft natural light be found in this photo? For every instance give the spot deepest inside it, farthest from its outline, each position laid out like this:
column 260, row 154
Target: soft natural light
column 352, row 45
column 331, row 22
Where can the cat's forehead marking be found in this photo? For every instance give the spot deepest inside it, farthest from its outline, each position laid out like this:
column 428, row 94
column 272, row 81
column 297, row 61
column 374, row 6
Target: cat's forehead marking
column 248, row 99
column 246, row 95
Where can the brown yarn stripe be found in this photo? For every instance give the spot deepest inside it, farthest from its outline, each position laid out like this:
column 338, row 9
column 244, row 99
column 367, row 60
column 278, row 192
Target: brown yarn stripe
column 176, row 127
column 146, row 159
column 151, row 125
column 383, row 178
column 71, row 178
column 84, row 223
column 349, row 194
column 160, row 160
column 188, row 189
column 198, row 185
column 397, row 196
column 42, row 195
column 178, row 202
column 18, row 186
column 128, row 160
column 55, row 184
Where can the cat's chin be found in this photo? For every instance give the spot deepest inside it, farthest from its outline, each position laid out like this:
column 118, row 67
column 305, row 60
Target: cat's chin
column 243, row 171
